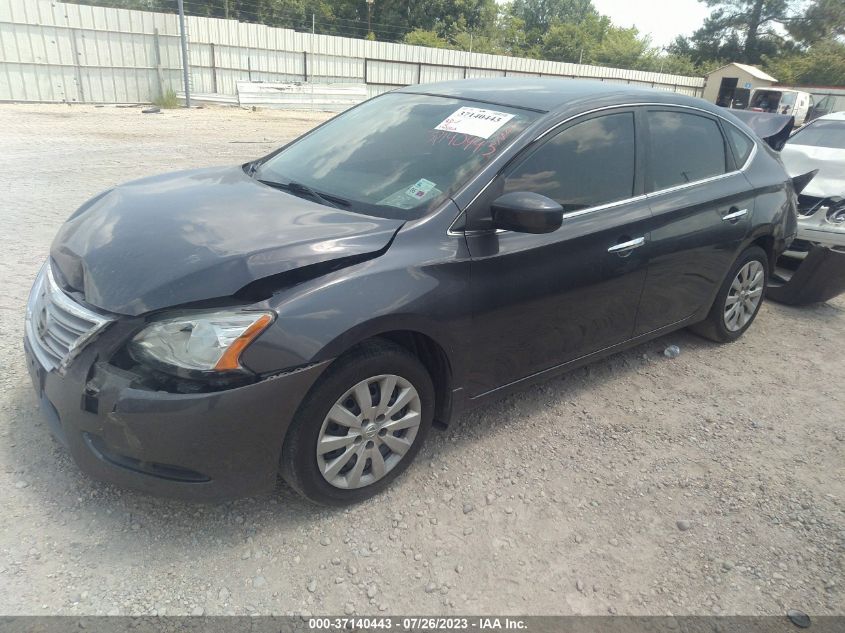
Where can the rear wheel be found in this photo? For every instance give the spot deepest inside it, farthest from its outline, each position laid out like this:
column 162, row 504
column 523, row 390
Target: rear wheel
column 739, row 299
column 360, row 426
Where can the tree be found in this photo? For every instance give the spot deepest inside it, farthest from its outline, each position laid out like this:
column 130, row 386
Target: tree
column 394, row 18
column 538, row 16
column 421, row 37
column 738, row 30
column 295, row 14
column 671, row 64
column 623, row 48
column 541, row 14
column 511, row 36
column 823, row 64
column 575, row 42
column 822, row 20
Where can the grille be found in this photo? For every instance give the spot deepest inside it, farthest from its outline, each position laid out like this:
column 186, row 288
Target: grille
column 57, row 327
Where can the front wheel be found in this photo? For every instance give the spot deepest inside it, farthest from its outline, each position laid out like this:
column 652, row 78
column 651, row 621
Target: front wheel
column 738, row 300
column 360, row 426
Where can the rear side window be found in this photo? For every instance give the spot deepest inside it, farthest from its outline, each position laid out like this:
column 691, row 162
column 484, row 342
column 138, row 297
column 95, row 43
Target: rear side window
column 821, row 133
column 684, row 148
column 740, row 144
column 586, row 165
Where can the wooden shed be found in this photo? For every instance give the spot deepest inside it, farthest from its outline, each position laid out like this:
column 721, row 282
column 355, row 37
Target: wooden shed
column 731, row 85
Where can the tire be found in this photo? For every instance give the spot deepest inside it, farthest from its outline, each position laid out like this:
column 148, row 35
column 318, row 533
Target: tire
column 384, row 444
column 722, row 326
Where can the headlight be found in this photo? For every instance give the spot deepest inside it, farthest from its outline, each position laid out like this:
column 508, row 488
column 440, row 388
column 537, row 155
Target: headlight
column 199, row 341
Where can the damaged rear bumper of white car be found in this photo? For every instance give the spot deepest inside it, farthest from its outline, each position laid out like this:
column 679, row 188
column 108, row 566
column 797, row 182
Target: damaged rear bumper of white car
column 822, row 221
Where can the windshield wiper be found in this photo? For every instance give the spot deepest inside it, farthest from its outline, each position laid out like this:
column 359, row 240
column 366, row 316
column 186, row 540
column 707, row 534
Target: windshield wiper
column 299, row 188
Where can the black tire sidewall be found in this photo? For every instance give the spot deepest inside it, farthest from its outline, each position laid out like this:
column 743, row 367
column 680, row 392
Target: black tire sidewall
column 299, row 461
column 717, row 313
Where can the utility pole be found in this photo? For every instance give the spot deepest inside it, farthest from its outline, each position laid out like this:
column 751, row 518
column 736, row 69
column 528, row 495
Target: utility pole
column 226, row 9
column 369, row 15
column 184, row 38
column 312, row 24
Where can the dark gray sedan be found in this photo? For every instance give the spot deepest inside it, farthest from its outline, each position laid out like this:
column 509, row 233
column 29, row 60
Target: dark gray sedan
column 311, row 313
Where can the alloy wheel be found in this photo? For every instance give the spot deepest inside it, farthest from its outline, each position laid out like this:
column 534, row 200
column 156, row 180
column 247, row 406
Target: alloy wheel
column 744, row 295
column 368, row 430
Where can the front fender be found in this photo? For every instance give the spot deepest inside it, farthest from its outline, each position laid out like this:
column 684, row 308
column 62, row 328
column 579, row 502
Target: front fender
column 403, row 290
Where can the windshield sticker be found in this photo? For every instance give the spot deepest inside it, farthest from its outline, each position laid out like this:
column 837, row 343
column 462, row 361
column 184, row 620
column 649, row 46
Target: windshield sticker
column 475, row 122
column 421, row 191
column 420, row 188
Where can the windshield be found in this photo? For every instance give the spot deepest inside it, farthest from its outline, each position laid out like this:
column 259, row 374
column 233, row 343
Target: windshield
column 399, row 155
column 773, row 101
column 788, row 99
column 821, row 134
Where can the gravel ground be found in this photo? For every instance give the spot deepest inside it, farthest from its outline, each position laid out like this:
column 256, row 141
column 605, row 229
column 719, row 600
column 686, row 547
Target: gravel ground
column 707, row 484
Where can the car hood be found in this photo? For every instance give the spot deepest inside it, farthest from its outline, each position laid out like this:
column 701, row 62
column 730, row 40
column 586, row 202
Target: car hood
column 830, row 181
column 201, row 234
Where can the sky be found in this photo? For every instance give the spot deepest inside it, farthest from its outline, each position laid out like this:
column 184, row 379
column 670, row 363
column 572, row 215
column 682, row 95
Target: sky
column 662, row 19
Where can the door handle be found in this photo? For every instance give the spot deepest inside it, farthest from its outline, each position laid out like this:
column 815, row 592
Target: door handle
column 625, row 248
column 734, row 214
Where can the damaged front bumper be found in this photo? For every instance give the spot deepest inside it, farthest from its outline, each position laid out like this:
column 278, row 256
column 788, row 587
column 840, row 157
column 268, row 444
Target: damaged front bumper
column 212, row 445
column 812, row 270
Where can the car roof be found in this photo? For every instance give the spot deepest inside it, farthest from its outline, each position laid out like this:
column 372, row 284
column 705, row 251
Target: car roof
column 833, row 116
column 546, row 94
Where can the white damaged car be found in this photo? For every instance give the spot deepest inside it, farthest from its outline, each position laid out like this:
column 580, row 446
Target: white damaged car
column 813, row 268
column 820, row 145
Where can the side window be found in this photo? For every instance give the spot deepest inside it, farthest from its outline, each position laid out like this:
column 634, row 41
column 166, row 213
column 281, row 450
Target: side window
column 588, row 164
column 740, row 144
column 684, row 148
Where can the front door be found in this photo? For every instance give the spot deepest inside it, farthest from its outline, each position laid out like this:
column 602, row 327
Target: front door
column 542, row 300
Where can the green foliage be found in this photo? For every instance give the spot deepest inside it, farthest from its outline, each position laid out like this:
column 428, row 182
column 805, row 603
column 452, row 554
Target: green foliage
column 539, row 16
column 623, row 48
column 594, row 40
column 823, row 64
column 576, row 41
column 822, row 20
column 167, row 100
column 670, row 64
column 421, row 37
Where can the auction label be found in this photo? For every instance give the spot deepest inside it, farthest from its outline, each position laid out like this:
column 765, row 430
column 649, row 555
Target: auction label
column 424, row 624
column 475, row 122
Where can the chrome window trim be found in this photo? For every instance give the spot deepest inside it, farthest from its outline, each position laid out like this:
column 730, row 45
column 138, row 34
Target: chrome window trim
column 687, row 185
column 451, row 231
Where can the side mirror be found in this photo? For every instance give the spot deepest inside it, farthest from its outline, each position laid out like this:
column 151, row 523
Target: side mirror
column 526, row 212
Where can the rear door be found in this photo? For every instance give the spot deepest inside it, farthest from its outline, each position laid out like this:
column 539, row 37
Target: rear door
column 701, row 205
